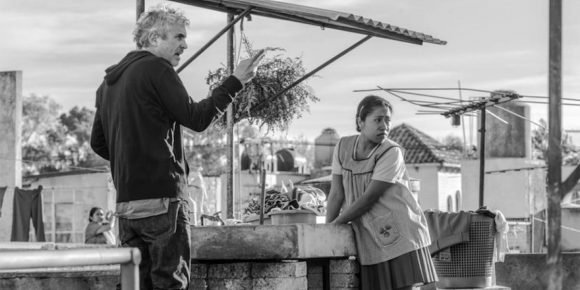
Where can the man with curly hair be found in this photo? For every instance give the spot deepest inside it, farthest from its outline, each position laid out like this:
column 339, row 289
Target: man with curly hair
column 141, row 106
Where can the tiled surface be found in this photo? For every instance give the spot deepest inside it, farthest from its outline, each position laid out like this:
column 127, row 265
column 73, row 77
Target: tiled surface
column 420, row 147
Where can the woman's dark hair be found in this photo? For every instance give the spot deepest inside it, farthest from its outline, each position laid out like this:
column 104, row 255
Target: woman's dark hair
column 367, row 105
column 92, row 212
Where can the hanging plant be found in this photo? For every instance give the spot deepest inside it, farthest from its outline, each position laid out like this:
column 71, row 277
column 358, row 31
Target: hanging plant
column 272, row 76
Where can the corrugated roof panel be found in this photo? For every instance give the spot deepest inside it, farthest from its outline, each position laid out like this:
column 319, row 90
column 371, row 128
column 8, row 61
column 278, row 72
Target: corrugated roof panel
column 317, row 16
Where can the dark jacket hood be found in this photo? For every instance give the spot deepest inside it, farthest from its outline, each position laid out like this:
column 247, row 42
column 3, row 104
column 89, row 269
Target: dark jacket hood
column 114, row 72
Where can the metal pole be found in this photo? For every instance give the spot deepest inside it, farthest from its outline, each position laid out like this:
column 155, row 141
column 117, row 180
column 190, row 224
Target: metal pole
column 230, row 126
column 129, row 276
column 129, row 258
column 462, row 121
column 130, row 271
column 532, row 209
column 313, row 72
column 140, row 8
column 262, row 191
column 554, row 179
column 482, row 156
column 31, row 259
column 216, row 37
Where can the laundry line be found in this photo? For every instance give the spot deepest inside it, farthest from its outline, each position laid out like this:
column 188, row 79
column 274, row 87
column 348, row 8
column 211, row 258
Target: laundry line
column 562, row 226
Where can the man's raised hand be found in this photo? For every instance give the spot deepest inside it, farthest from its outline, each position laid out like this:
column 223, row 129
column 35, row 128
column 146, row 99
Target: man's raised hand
column 246, row 69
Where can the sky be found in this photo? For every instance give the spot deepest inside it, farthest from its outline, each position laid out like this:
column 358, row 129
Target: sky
column 63, row 46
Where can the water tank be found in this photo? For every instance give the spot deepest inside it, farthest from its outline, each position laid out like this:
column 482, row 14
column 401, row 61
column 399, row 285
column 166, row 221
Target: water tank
column 324, row 147
column 511, row 140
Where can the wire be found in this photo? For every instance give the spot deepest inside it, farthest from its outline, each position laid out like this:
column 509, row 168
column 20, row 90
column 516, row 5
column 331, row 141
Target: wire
column 497, row 117
column 520, row 116
column 95, row 169
column 563, row 227
column 541, row 97
column 429, row 89
column 416, row 103
column 515, row 169
column 21, row 160
column 545, row 103
column 417, row 94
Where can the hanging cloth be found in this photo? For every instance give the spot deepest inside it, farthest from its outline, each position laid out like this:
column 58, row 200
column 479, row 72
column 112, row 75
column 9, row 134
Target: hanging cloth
column 27, row 205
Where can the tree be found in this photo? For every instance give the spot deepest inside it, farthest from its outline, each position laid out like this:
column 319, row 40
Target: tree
column 453, row 142
column 79, row 122
column 540, row 145
column 55, row 143
column 42, row 134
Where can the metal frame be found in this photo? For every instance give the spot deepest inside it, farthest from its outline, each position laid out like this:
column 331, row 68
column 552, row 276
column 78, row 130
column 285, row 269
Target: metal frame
column 495, row 99
column 128, row 258
column 216, row 37
column 229, row 28
column 324, row 18
column 309, row 74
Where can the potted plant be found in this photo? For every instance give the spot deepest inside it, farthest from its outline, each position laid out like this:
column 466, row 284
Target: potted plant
column 275, row 73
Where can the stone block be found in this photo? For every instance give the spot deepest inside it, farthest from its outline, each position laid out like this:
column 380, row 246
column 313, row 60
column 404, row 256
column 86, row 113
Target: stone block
column 197, row 284
column 529, row 271
column 290, row 283
column 95, row 280
column 278, row 270
column 344, row 281
column 10, row 144
column 199, row 270
column 344, row 266
column 272, row 242
column 229, row 271
column 314, row 281
column 431, row 286
column 50, row 283
column 19, row 283
column 229, row 284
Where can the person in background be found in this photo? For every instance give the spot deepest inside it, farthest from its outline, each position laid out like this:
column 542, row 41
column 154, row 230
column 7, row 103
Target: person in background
column 198, row 193
column 142, row 105
column 370, row 184
column 100, row 227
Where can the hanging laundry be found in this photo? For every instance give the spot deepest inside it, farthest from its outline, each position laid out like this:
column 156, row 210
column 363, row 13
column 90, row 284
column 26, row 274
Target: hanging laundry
column 27, row 205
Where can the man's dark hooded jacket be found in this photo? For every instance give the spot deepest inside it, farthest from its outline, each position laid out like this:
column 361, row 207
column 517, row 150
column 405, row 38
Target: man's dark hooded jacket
column 140, row 107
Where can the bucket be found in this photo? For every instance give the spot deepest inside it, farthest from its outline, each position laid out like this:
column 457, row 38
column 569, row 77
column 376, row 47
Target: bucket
column 288, row 217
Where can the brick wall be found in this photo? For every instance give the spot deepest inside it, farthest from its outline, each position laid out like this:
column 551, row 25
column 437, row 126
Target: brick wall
column 344, row 274
column 288, row 275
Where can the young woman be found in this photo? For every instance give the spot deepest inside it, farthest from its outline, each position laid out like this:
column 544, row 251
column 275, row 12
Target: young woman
column 100, row 227
column 370, row 184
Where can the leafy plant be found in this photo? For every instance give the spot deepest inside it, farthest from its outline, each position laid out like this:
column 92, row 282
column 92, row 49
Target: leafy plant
column 570, row 154
column 273, row 75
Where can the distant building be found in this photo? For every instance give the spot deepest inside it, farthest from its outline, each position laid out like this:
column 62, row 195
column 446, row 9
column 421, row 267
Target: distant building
column 324, row 147
column 437, row 168
column 67, row 198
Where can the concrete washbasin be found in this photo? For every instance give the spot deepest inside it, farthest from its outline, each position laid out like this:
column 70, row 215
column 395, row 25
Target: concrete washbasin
column 272, row 242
